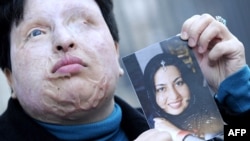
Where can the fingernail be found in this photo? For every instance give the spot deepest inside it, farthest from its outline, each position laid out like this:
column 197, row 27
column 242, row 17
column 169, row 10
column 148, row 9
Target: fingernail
column 184, row 35
column 200, row 49
column 191, row 42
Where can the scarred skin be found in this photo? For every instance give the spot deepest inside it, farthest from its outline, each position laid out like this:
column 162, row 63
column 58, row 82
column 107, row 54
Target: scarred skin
column 59, row 73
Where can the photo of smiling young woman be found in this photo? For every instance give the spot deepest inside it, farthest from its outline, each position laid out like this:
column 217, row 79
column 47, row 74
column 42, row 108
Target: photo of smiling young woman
column 176, row 93
column 172, row 93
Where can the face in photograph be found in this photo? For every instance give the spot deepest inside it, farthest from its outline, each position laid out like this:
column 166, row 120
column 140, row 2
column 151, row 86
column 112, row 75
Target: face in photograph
column 172, row 93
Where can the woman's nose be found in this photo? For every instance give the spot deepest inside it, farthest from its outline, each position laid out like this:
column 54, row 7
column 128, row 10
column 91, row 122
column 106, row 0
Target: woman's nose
column 65, row 47
column 173, row 93
column 63, row 39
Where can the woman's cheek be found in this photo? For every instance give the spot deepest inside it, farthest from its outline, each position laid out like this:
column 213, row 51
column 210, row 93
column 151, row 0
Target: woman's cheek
column 159, row 100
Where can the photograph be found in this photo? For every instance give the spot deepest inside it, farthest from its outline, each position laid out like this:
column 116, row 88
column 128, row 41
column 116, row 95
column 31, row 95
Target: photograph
column 170, row 85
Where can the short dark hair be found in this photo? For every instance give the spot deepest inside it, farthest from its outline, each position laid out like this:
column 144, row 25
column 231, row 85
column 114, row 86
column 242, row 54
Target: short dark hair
column 11, row 12
column 106, row 7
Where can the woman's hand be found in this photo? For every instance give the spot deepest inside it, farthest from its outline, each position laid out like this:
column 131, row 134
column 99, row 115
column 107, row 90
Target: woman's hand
column 154, row 135
column 164, row 125
column 218, row 51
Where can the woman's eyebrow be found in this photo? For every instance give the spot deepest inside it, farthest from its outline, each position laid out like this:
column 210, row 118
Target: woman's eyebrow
column 76, row 9
column 161, row 84
column 179, row 77
column 176, row 79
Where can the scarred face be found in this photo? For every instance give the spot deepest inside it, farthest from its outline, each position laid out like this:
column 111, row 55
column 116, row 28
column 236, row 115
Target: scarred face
column 64, row 61
column 172, row 93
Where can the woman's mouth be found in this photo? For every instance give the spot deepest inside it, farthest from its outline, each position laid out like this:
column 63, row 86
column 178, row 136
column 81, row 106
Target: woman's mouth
column 68, row 65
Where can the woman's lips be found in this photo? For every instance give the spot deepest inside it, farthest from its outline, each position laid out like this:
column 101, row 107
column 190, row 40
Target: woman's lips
column 175, row 105
column 68, row 65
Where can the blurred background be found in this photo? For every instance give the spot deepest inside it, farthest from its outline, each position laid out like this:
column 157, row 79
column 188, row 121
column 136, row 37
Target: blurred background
column 144, row 22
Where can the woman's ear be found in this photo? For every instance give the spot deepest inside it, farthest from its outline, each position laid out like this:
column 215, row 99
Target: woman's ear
column 8, row 75
column 121, row 71
column 117, row 49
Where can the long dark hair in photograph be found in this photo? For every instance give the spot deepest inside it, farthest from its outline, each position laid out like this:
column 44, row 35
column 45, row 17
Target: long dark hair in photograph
column 197, row 112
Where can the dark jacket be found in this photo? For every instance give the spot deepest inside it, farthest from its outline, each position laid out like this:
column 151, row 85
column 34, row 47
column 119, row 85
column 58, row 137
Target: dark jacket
column 16, row 125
